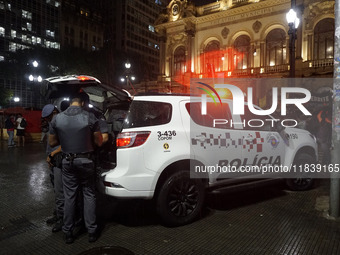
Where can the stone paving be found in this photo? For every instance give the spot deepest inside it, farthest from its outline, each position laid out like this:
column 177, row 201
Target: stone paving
column 260, row 221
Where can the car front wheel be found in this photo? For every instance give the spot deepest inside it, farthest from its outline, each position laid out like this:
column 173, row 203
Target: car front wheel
column 304, row 180
column 180, row 199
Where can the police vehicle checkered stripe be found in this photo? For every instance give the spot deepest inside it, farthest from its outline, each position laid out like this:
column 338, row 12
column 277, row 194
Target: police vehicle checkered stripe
column 222, row 141
column 225, row 141
column 255, row 143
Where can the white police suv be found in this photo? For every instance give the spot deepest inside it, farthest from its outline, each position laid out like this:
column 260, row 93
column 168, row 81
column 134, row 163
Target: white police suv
column 165, row 147
column 169, row 151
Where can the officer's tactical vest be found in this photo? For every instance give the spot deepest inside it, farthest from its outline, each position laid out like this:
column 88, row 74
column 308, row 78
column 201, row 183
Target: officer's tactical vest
column 74, row 132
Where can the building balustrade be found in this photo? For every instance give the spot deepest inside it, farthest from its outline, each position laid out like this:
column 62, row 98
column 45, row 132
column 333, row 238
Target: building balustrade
column 240, row 1
column 255, row 71
column 241, row 72
column 276, row 68
column 320, row 63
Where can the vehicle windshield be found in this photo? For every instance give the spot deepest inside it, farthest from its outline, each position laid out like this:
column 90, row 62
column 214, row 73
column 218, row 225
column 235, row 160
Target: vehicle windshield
column 146, row 113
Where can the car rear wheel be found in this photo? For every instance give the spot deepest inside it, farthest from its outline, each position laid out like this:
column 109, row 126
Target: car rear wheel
column 304, row 180
column 180, row 199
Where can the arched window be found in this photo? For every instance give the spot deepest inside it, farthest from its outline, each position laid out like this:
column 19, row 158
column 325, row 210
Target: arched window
column 179, row 61
column 241, row 52
column 213, row 58
column 276, row 47
column 324, row 39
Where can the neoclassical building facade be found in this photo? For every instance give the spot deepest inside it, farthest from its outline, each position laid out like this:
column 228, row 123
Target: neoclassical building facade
column 243, row 38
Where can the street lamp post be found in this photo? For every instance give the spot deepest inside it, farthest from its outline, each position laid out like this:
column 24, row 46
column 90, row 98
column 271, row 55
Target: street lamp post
column 128, row 76
column 293, row 23
column 36, row 80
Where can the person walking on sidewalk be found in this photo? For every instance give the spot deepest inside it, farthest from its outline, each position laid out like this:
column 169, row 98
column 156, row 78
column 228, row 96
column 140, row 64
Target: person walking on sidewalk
column 77, row 131
column 21, row 126
column 10, row 126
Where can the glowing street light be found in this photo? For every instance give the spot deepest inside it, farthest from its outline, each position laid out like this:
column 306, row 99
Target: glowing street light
column 35, row 78
column 35, row 63
column 32, row 78
column 128, row 77
column 127, row 65
column 292, row 18
column 293, row 23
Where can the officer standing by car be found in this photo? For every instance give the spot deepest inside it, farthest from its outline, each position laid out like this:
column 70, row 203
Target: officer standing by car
column 77, row 131
column 54, row 161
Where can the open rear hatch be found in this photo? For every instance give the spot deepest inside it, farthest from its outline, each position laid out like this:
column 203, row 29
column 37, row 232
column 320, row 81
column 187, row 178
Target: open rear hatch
column 102, row 97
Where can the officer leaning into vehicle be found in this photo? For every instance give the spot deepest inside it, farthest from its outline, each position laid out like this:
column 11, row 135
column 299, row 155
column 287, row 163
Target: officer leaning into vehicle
column 54, row 159
column 77, row 131
column 102, row 123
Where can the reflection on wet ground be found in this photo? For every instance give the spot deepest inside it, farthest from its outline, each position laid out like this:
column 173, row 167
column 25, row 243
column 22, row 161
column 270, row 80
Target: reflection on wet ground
column 267, row 220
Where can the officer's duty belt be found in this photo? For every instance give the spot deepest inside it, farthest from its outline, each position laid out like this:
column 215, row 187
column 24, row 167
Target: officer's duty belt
column 71, row 156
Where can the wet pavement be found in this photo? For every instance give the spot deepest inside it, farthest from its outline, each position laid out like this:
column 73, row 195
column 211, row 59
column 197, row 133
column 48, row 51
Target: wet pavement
column 267, row 220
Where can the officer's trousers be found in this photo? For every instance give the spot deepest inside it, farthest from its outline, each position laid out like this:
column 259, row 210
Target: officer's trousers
column 58, row 192
column 79, row 174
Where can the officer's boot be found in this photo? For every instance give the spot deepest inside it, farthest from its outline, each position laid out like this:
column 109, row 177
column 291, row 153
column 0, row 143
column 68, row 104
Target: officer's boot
column 58, row 226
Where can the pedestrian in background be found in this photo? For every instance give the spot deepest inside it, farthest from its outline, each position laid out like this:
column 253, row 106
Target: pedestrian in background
column 21, row 126
column 54, row 159
column 44, row 129
column 78, row 132
column 10, row 126
column 324, row 134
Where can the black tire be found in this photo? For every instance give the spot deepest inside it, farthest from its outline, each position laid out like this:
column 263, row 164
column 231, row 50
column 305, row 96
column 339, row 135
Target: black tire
column 303, row 181
column 180, row 199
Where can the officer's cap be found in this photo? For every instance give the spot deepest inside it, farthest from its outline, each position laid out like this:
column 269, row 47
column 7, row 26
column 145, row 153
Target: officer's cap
column 47, row 110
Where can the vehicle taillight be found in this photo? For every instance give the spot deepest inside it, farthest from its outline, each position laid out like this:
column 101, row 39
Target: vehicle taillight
column 132, row 139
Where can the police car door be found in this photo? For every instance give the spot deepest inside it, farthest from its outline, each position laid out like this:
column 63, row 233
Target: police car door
column 262, row 146
column 213, row 142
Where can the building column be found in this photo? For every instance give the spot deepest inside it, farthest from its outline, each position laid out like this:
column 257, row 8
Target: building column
column 287, row 50
column 162, row 55
column 262, row 54
column 257, row 56
column 202, row 60
column 190, row 43
column 310, row 47
column 230, row 59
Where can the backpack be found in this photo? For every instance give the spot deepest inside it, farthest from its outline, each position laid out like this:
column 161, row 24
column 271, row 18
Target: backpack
column 23, row 123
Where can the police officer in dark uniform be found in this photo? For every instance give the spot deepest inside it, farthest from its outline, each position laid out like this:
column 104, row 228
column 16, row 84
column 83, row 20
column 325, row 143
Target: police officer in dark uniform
column 77, row 131
column 54, row 160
